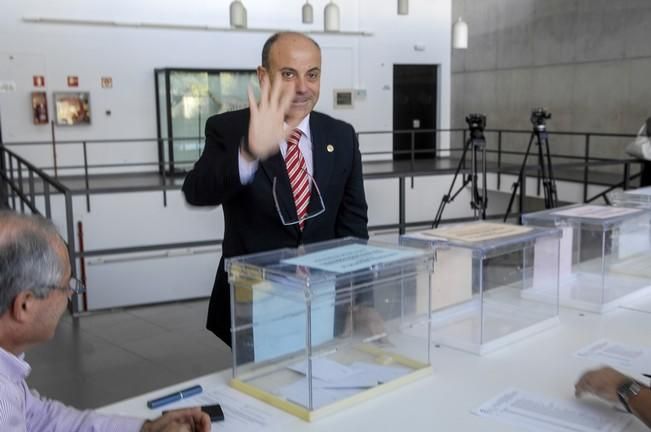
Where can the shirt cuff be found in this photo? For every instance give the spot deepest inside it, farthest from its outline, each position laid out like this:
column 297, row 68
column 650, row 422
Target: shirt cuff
column 247, row 169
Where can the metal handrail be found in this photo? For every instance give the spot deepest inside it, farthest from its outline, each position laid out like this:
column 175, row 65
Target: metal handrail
column 11, row 167
column 7, row 157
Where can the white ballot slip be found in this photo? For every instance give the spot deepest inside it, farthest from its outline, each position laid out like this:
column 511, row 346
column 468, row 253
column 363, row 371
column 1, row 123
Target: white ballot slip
column 632, row 359
column 539, row 413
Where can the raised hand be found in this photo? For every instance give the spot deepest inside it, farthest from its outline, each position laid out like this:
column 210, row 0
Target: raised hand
column 266, row 125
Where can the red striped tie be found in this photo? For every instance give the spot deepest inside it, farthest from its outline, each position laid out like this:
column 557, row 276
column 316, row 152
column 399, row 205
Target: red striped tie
column 298, row 178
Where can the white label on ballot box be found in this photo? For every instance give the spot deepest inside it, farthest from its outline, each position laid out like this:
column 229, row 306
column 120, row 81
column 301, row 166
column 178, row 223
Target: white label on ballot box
column 279, row 319
column 349, row 258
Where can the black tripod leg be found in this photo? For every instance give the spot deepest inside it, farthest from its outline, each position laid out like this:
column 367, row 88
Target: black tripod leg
column 516, row 185
column 552, row 180
column 449, row 197
column 543, row 169
column 484, row 199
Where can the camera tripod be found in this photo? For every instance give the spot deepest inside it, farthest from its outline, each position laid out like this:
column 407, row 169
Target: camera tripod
column 476, row 144
column 545, row 171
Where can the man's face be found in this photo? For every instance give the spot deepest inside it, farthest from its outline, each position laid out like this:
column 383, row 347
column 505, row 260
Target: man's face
column 52, row 307
column 296, row 61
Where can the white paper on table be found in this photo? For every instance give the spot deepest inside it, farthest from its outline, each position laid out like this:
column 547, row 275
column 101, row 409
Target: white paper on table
column 539, row 413
column 297, row 392
column 241, row 413
column 634, row 359
column 323, row 369
column 597, row 212
column 328, row 373
column 279, row 320
column 362, row 376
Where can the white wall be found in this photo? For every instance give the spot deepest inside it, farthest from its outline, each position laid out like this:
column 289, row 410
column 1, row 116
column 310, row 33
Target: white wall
column 129, row 56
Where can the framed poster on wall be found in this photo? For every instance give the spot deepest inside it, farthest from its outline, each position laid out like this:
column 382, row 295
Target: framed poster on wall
column 39, row 108
column 72, row 108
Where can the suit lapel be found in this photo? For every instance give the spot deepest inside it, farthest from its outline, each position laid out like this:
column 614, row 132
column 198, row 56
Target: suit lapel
column 322, row 161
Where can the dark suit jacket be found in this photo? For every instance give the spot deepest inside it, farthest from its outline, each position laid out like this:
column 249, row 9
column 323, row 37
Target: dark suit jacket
column 251, row 220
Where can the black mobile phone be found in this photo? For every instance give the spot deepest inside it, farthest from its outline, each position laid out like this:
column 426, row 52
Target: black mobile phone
column 214, row 412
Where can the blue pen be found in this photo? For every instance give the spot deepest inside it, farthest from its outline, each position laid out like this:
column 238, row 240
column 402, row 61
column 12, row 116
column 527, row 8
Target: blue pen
column 174, row 397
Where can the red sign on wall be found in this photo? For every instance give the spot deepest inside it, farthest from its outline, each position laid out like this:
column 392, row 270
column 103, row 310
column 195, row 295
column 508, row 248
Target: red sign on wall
column 38, row 80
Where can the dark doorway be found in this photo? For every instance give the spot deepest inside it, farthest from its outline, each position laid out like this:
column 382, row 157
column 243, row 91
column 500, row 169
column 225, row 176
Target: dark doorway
column 414, row 107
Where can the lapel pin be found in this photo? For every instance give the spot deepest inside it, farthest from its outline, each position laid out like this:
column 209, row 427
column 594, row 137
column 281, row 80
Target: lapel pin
column 330, row 148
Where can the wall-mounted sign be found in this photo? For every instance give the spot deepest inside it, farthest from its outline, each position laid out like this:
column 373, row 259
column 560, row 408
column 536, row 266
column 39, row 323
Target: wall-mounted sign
column 343, row 98
column 7, row 86
column 39, row 108
column 38, row 80
column 73, row 81
column 107, row 82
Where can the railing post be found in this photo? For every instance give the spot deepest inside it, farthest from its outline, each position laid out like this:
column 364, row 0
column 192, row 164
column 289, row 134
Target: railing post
column 413, row 146
column 32, row 194
column 86, row 180
column 523, row 194
column 627, row 174
column 499, row 159
column 586, row 160
column 4, row 187
column 463, row 145
column 54, row 152
column 401, row 205
column 46, row 197
column 13, row 181
column 70, row 227
column 20, row 185
column 164, row 189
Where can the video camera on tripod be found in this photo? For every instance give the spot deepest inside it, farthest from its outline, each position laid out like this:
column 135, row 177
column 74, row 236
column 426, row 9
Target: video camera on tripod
column 476, row 144
column 476, row 122
column 545, row 168
column 538, row 117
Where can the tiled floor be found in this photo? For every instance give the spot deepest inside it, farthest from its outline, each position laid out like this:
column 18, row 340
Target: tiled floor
column 108, row 356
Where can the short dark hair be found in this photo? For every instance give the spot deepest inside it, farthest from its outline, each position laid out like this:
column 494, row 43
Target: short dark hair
column 28, row 260
column 266, row 48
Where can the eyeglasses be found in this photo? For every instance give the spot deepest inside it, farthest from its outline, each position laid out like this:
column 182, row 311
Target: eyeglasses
column 293, row 221
column 75, row 287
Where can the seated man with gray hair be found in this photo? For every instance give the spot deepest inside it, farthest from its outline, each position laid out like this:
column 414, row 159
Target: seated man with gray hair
column 35, row 285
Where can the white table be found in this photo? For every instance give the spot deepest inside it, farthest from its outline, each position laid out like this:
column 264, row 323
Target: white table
column 545, row 364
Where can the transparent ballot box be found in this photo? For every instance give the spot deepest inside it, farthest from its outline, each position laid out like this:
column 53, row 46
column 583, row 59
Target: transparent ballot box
column 492, row 284
column 322, row 327
column 640, row 197
column 605, row 254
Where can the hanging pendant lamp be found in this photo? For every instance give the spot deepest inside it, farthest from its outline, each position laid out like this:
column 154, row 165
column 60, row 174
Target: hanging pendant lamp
column 331, row 17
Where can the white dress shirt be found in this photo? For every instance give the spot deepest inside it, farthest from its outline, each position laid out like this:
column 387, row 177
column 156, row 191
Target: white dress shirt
column 248, row 168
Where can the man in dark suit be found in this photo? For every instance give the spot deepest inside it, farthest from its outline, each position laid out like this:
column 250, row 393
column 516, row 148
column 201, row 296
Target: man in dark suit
column 248, row 151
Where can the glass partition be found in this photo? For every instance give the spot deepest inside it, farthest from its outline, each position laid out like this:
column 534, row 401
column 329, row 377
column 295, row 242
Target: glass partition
column 186, row 98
